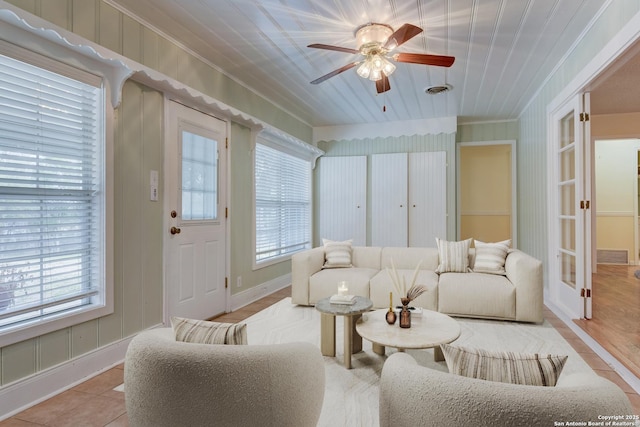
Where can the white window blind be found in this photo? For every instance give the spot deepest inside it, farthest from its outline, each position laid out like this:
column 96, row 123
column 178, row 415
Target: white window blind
column 283, row 203
column 51, row 194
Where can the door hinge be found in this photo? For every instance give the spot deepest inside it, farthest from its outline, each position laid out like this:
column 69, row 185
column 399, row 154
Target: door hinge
column 584, row 117
column 226, row 143
column 226, row 282
column 226, row 212
column 585, row 293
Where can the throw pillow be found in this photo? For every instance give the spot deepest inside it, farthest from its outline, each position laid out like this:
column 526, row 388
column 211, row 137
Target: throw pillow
column 337, row 254
column 490, row 257
column 453, row 256
column 205, row 332
column 504, row 366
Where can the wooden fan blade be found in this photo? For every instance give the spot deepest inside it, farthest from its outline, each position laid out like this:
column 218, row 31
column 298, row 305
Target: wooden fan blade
column 383, row 85
column 422, row 58
column 334, row 73
column 402, row 35
column 329, row 47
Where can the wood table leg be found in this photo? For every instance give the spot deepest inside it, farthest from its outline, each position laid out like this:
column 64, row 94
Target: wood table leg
column 348, row 340
column 438, row 356
column 328, row 334
column 357, row 339
column 378, row 349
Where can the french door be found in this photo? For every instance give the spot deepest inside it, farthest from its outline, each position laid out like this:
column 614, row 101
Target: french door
column 570, row 225
column 195, row 220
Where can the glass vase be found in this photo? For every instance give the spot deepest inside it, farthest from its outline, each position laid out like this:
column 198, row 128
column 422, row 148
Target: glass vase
column 405, row 314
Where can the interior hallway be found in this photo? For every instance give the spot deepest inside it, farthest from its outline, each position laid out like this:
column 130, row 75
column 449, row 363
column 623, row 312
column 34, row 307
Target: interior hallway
column 615, row 322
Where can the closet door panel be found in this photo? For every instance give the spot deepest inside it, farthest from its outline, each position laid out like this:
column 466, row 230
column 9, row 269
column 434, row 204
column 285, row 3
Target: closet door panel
column 389, row 223
column 343, row 198
column 427, row 198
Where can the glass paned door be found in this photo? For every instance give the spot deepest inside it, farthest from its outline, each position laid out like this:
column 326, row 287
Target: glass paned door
column 570, row 276
column 567, row 191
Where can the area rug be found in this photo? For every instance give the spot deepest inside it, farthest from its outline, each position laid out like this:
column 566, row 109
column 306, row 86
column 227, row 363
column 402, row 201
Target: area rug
column 351, row 395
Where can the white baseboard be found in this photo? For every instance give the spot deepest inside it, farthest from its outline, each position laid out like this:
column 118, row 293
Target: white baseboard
column 626, row 374
column 24, row 393
column 244, row 298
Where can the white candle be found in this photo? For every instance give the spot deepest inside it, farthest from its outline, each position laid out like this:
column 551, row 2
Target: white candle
column 343, row 288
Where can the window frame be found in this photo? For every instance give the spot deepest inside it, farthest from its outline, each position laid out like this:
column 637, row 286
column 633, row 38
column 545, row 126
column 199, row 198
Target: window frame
column 104, row 305
column 301, row 151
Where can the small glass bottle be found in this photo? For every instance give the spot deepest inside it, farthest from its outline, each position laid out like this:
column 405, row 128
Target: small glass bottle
column 405, row 314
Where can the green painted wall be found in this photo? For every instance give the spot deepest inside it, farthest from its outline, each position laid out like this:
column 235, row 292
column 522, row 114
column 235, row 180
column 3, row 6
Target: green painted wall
column 532, row 139
column 487, row 131
column 138, row 132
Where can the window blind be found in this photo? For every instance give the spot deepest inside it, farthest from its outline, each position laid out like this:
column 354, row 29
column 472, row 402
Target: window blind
column 51, row 193
column 283, row 203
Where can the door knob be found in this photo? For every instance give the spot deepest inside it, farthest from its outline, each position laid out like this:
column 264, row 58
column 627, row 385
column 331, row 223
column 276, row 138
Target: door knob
column 175, row 230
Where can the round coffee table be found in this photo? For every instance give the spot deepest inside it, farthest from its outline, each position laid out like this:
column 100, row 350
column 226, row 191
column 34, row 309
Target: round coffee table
column 426, row 331
column 351, row 313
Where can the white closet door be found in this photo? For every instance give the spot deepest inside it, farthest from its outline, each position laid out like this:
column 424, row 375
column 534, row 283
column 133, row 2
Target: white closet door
column 343, row 198
column 389, row 223
column 427, row 198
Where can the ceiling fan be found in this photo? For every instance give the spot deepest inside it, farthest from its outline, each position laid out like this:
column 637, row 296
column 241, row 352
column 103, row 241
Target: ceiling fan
column 375, row 43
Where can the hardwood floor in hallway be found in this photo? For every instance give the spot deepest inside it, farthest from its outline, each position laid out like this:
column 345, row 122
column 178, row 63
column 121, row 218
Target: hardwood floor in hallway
column 615, row 322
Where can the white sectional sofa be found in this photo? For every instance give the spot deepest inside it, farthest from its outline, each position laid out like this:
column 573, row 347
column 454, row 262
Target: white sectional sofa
column 517, row 295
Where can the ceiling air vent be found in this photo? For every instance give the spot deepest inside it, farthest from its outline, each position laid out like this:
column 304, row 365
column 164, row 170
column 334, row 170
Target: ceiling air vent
column 434, row 90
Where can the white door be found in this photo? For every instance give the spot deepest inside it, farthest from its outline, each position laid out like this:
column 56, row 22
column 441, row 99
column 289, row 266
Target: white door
column 570, row 225
column 389, row 219
column 195, row 170
column 343, row 198
column 427, row 198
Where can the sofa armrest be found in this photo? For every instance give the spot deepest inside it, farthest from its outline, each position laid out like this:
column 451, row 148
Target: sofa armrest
column 525, row 272
column 303, row 266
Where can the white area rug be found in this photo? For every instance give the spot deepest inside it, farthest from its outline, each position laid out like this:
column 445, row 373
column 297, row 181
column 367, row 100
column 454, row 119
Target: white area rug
column 351, row 396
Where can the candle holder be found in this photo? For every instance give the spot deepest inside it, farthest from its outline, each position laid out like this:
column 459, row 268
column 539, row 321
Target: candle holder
column 391, row 314
column 343, row 288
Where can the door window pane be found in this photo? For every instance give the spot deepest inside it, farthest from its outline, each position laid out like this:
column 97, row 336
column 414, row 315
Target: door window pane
column 199, row 177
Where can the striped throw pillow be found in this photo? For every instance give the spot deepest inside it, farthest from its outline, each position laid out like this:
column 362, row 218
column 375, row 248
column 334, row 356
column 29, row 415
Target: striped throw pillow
column 490, row 257
column 504, row 366
column 453, row 256
column 205, row 332
column 337, row 254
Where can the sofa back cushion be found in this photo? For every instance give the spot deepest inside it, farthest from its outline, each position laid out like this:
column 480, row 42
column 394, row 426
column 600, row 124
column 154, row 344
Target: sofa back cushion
column 408, row 258
column 366, row 257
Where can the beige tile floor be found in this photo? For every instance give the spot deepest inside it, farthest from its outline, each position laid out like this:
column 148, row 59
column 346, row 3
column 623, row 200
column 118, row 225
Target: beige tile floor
column 94, row 403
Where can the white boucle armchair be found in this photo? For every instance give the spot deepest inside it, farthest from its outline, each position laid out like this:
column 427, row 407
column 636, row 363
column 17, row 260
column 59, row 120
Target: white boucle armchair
column 169, row 383
column 411, row 394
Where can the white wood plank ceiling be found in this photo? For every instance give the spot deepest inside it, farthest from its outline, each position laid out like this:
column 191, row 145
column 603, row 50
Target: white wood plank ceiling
column 504, row 49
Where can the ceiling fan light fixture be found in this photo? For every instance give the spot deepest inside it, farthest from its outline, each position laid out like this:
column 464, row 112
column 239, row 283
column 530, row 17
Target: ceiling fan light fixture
column 372, row 35
column 364, row 70
column 388, row 67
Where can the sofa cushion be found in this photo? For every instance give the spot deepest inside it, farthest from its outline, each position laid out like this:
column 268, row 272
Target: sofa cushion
column 476, row 294
column 337, row 254
column 366, row 257
column 409, row 258
column 453, row 256
column 381, row 284
column 205, row 332
column 504, row 366
column 490, row 257
column 324, row 283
